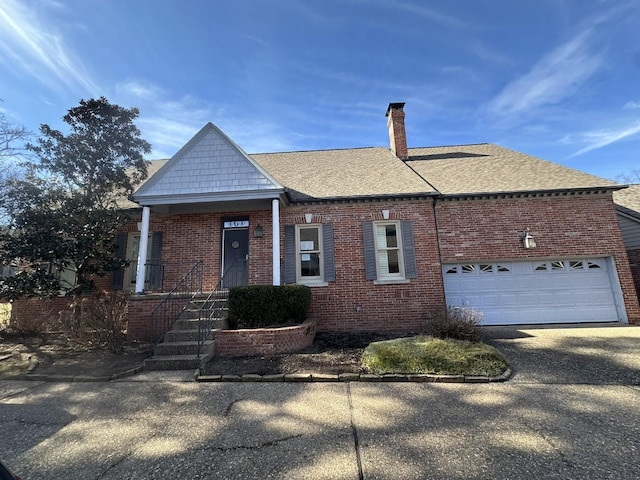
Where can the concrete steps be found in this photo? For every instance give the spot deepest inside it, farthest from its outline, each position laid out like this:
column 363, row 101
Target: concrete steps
column 179, row 349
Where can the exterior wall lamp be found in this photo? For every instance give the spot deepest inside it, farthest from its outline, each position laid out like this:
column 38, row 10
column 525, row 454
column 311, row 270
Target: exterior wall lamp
column 257, row 232
column 528, row 241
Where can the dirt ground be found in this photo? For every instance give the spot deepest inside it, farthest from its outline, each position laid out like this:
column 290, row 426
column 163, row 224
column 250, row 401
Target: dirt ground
column 56, row 354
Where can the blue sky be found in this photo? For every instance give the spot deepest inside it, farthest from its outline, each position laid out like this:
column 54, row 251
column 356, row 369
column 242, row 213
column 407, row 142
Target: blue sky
column 559, row 79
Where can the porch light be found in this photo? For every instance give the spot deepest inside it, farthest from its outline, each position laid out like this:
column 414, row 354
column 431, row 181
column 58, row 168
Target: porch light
column 527, row 239
column 257, row 232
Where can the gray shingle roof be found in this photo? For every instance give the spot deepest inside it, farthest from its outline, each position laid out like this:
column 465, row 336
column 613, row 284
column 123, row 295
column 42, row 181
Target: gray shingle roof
column 212, row 163
column 152, row 167
column 629, row 199
column 487, row 168
column 356, row 172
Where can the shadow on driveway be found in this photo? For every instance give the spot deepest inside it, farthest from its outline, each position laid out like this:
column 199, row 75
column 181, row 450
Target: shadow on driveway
column 594, row 355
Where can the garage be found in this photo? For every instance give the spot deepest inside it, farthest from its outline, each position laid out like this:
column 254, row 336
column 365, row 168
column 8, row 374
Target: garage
column 534, row 292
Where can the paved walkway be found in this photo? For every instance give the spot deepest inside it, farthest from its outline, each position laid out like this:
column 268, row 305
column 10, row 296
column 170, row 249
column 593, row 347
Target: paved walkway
column 159, row 425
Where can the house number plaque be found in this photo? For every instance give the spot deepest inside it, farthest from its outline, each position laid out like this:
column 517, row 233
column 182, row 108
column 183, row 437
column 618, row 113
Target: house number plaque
column 237, row 224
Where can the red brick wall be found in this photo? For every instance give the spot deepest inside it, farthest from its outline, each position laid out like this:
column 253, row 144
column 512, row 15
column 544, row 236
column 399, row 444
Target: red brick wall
column 264, row 341
column 188, row 238
column 563, row 226
column 353, row 303
column 140, row 308
column 349, row 303
column 43, row 311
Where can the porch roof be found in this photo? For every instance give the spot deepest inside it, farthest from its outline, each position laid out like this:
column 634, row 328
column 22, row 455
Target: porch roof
column 209, row 168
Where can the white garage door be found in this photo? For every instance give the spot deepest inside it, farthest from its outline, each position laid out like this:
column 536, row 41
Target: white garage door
column 552, row 291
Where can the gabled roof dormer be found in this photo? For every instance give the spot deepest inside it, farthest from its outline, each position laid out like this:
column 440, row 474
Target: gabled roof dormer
column 209, row 168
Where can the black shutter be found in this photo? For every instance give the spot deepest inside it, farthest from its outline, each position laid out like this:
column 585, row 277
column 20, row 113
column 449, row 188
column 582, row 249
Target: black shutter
column 408, row 250
column 327, row 253
column 154, row 267
column 117, row 278
column 289, row 254
column 369, row 251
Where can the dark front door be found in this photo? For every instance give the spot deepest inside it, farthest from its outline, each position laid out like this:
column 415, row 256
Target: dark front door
column 235, row 249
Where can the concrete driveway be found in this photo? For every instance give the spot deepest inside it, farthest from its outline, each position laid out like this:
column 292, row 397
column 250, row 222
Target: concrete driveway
column 577, row 354
column 156, row 426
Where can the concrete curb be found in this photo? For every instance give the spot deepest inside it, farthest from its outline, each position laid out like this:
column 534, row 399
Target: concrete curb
column 279, row 377
column 355, row 377
column 35, row 377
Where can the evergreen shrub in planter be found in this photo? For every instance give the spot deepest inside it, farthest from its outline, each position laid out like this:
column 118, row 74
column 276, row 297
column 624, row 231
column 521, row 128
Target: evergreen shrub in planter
column 259, row 306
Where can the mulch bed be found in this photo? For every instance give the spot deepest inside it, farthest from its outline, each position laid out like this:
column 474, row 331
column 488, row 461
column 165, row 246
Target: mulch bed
column 330, row 353
column 57, row 354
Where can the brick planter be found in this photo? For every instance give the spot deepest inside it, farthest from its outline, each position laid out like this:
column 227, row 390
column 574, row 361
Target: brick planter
column 264, row 341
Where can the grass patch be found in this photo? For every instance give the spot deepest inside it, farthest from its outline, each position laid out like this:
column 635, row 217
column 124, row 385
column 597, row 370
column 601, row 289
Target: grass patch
column 424, row 354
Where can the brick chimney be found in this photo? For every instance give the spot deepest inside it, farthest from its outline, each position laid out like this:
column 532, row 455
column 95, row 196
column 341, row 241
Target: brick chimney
column 397, row 134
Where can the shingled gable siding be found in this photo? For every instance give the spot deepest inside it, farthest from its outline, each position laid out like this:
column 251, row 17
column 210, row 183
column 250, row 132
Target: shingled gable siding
column 563, row 226
column 352, row 303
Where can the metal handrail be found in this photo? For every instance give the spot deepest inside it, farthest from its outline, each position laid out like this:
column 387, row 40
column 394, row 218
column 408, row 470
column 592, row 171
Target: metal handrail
column 209, row 313
column 174, row 303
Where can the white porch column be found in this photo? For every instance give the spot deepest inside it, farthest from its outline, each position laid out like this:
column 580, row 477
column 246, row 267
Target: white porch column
column 142, row 251
column 275, row 225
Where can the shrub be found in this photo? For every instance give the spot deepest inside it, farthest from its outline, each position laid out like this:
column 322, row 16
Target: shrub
column 101, row 317
column 104, row 315
column 456, row 322
column 256, row 306
column 35, row 317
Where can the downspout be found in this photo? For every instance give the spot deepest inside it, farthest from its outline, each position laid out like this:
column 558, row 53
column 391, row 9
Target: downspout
column 275, row 232
column 435, row 220
column 142, row 251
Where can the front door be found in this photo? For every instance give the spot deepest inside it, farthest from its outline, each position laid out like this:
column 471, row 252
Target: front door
column 235, row 249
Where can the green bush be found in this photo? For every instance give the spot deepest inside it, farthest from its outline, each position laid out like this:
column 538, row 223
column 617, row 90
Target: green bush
column 256, row 306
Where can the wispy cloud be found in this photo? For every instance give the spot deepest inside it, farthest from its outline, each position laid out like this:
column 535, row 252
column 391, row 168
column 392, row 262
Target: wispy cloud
column 431, row 14
column 33, row 46
column 596, row 139
column 631, row 105
column 168, row 123
column 555, row 77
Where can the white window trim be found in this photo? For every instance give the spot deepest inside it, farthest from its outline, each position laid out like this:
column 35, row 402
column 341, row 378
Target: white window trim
column 317, row 281
column 399, row 277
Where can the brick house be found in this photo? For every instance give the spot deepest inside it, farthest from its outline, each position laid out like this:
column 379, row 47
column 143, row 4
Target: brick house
column 384, row 236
